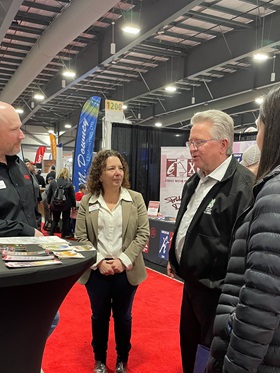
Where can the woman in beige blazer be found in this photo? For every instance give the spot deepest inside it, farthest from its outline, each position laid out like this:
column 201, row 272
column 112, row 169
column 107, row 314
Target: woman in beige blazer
column 114, row 219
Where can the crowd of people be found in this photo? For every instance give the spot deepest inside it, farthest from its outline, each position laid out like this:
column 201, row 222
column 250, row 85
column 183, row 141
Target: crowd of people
column 225, row 245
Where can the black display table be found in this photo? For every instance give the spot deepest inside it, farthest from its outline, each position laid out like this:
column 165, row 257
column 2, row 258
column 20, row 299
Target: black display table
column 30, row 298
column 161, row 233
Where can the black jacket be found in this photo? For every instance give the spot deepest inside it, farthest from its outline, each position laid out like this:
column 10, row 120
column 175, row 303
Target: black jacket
column 68, row 191
column 205, row 253
column 18, row 204
column 248, row 315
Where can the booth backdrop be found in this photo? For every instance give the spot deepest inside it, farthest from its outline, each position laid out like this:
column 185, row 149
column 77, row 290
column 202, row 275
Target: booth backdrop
column 141, row 147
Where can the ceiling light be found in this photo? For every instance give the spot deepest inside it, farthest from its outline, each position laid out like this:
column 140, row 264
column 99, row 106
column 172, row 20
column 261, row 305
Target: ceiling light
column 67, row 125
column 260, row 57
column 259, row 100
column 69, row 73
column 124, row 107
column 170, row 88
column 19, row 110
column 158, row 124
column 131, row 29
column 39, row 96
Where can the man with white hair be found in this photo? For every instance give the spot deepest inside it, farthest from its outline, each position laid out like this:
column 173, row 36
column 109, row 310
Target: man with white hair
column 212, row 200
column 18, row 205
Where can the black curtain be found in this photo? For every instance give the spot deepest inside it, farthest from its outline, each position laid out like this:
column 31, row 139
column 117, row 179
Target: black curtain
column 140, row 146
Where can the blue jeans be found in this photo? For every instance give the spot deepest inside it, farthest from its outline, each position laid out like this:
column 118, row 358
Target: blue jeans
column 54, row 323
column 108, row 293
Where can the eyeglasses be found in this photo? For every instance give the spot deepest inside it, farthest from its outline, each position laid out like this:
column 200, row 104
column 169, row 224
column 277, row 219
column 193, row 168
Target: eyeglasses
column 198, row 143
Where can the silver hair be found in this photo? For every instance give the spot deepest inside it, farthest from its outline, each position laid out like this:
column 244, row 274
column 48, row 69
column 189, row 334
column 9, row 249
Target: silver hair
column 222, row 125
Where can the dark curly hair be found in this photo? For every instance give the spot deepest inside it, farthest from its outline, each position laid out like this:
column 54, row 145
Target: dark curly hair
column 98, row 166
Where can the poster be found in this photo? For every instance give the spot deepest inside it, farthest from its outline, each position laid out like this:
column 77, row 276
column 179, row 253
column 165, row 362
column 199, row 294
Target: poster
column 176, row 168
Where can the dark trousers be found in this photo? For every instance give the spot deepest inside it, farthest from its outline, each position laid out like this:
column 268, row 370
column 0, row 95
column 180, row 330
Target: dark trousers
column 65, row 222
column 197, row 319
column 108, row 293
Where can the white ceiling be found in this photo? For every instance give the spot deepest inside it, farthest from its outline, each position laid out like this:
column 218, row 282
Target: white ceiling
column 204, row 47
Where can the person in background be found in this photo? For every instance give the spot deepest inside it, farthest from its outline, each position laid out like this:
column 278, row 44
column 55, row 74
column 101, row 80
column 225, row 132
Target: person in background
column 18, row 204
column 62, row 180
column 212, row 199
column 114, row 219
column 31, row 167
column 40, row 178
column 47, row 211
column 52, row 173
column 78, row 195
column 247, row 328
column 251, row 158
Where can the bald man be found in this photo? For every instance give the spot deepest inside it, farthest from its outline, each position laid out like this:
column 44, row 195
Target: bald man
column 18, row 205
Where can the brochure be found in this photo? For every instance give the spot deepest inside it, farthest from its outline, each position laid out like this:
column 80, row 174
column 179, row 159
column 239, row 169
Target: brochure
column 11, row 247
column 24, row 240
column 32, row 264
column 21, row 258
column 82, row 248
column 25, row 253
column 153, row 208
column 55, row 246
column 68, row 254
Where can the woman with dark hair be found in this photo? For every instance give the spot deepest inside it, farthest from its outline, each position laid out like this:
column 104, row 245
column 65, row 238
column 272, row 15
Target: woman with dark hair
column 114, row 219
column 247, row 324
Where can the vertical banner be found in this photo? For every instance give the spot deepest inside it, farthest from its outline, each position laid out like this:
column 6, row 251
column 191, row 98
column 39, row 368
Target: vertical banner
column 85, row 141
column 40, row 154
column 176, row 168
column 53, row 146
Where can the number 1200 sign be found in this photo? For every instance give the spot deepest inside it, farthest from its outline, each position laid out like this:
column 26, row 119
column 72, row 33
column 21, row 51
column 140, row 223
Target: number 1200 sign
column 114, row 105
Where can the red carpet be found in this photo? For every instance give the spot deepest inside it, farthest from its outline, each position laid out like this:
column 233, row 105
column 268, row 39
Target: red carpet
column 155, row 333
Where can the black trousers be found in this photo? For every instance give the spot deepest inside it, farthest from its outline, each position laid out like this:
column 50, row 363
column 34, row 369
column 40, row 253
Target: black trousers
column 65, row 222
column 108, row 293
column 197, row 319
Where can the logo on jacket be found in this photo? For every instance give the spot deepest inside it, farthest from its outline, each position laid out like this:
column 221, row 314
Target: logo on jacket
column 209, row 208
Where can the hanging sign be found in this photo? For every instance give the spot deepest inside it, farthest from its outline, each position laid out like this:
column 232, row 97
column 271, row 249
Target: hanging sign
column 114, row 111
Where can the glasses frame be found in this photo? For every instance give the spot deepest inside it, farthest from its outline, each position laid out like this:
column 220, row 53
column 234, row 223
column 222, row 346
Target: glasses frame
column 198, row 143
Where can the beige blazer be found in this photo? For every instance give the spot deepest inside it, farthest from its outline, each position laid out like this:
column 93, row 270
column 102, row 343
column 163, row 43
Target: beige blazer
column 135, row 233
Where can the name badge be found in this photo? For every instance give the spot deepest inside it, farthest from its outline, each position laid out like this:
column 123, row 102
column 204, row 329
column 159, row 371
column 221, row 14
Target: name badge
column 2, row 184
column 93, row 207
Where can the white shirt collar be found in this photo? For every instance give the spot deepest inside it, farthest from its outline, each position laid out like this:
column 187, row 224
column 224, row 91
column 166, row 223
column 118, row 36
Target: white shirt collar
column 124, row 195
column 218, row 173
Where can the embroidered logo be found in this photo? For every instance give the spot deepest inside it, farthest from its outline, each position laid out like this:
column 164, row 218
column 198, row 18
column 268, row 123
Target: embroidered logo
column 208, row 209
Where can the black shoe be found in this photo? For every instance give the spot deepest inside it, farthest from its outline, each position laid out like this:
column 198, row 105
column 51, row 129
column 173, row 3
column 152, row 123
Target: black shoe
column 120, row 367
column 70, row 236
column 99, row 367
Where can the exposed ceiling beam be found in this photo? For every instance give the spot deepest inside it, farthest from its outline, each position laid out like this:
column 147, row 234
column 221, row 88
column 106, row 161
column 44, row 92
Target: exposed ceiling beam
column 8, row 11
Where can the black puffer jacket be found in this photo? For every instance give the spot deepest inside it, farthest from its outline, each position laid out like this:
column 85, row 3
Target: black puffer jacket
column 246, row 329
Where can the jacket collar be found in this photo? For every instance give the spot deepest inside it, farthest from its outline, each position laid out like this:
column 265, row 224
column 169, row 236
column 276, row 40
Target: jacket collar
column 258, row 186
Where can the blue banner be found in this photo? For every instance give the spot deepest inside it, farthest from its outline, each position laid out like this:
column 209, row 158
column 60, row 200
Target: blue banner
column 85, row 141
